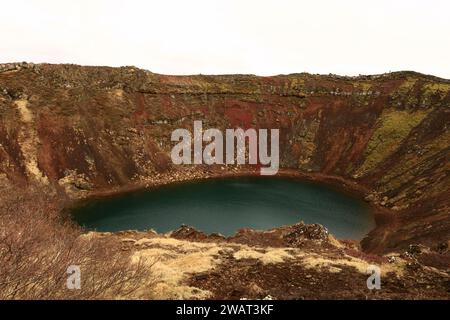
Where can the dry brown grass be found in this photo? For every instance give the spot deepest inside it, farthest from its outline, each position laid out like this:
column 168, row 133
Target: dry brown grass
column 313, row 261
column 266, row 256
column 37, row 246
column 173, row 261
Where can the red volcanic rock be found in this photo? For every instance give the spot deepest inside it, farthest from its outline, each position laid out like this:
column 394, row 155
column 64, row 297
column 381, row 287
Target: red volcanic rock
column 306, row 231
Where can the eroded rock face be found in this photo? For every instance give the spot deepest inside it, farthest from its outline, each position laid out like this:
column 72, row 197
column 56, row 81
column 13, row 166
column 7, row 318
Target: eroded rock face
column 97, row 128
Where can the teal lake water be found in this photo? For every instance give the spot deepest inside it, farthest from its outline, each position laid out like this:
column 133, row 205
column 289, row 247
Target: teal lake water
column 226, row 205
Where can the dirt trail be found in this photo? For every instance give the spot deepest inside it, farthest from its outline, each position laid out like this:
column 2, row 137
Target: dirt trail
column 29, row 141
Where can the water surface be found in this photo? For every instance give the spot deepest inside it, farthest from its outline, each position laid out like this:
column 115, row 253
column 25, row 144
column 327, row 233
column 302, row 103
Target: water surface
column 226, row 205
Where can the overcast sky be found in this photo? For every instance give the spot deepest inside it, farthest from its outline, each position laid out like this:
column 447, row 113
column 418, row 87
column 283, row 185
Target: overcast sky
column 346, row 37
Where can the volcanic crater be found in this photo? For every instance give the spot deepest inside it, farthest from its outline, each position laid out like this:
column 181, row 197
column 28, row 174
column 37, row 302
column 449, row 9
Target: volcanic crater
column 78, row 132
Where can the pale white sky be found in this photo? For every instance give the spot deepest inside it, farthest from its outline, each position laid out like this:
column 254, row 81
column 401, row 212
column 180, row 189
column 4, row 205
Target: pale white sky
column 262, row 37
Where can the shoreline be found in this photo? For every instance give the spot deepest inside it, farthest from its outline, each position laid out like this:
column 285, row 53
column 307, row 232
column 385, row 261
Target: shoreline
column 381, row 215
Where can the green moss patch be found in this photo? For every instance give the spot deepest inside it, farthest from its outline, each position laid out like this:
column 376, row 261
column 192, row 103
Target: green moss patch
column 392, row 128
